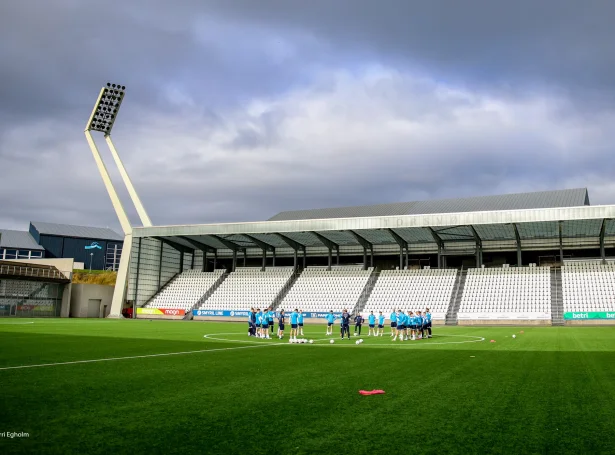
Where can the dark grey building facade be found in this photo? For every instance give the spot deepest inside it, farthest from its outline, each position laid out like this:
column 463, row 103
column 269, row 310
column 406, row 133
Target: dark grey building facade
column 97, row 248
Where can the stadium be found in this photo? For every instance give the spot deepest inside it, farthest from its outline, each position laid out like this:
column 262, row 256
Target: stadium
column 470, row 325
column 519, row 288
column 523, row 260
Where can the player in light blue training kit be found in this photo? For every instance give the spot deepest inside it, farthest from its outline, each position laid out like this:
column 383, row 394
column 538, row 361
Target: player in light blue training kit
column 300, row 323
column 259, row 322
column 381, row 324
column 413, row 324
column 294, row 320
column 428, row 322
column 270, row 316
column 393, row 319
column 399, row 332
column 330, row 321
column 371, row 320
column 420, row 325
column 265, row 324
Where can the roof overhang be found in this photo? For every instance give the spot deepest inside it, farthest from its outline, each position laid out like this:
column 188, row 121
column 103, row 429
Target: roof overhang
column 586, row 225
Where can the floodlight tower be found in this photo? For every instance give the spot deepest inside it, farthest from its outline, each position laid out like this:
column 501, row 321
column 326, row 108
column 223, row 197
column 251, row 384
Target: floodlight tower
column 102, row 119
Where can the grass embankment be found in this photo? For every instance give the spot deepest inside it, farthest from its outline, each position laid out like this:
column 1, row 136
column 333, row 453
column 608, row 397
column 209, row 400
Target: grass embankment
column 94, row 277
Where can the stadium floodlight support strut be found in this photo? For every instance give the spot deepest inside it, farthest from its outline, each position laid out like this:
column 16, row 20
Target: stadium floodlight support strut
column 102, row 119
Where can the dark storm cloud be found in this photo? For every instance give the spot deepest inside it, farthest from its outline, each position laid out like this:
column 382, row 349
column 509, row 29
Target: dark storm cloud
column 551, row 42
column 237, row 110
column 57, row 54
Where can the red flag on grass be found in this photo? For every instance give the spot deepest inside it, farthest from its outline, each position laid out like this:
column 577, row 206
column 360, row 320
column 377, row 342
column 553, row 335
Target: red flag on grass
column 370, row 392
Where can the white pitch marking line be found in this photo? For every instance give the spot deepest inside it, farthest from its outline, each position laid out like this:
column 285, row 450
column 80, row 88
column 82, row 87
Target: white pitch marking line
column 133, row 357
column 316, row 340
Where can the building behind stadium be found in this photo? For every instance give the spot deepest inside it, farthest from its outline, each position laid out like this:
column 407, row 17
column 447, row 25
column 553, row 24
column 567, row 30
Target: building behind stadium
column 37, row 266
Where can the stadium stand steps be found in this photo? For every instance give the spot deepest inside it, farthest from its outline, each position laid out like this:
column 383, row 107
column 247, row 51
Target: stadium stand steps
column 162, row 288
column 205, row 296
column 557, row 301
column 287, row 287
column 32, row 295
column 318, row 289
column 367, row 292
column 453, row 308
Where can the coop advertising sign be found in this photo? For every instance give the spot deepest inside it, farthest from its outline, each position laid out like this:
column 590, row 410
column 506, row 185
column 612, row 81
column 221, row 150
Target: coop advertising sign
column 161, row 311
column 590, row 315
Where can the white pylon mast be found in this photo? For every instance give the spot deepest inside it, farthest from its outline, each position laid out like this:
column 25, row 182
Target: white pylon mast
column 102, row 119
column 143, row 216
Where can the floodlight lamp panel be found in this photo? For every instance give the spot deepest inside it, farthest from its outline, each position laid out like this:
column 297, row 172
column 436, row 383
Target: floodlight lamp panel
column 107, row 107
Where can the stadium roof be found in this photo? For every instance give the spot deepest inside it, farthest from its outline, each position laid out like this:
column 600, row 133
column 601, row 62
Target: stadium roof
column 585, row 226
column 537, row 200
column 18, row 240
column 67, row 230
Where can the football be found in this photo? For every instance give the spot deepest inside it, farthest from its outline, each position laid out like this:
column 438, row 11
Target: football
column 311, row 341
column 357, row 342
column 514, row 336
column 331, row 341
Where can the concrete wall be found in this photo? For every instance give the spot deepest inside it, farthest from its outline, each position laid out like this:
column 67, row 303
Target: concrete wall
column 589, row 322
column 82, row 294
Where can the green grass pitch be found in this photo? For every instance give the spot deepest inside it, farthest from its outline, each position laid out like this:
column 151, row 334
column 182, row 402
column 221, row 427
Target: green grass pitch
column 549, row 391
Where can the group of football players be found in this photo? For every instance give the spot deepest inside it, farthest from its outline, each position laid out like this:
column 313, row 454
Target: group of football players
column 404, row 325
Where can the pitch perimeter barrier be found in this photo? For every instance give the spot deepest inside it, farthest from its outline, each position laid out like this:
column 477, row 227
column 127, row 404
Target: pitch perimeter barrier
column 244, row 314
column 160, row 313
column 589, row 315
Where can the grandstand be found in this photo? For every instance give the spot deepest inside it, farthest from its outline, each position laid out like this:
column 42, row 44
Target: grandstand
column 413, row 290
column 31, row 290
column 589, row 288
column 469, row 260
column 185, row 291
column 506, row 293
column 319, row 290
column 249, row 287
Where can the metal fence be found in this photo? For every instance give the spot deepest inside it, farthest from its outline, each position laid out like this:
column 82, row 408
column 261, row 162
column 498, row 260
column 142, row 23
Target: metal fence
column 32, row 272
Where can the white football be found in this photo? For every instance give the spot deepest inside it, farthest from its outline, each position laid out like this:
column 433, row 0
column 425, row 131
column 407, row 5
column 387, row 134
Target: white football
column 331, row 341
column 357, row 342
column 514, row 336
column 311, row 341
column 361, row 340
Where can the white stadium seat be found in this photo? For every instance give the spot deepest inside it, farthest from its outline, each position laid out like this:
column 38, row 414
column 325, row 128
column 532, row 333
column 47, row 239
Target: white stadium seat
column 523, row 290
column 588, row 287
column 185, row 290
column 320, row 290
column 413, row 290
column 247, row 288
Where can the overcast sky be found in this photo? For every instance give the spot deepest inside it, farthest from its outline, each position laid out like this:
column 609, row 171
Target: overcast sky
column 238, row 109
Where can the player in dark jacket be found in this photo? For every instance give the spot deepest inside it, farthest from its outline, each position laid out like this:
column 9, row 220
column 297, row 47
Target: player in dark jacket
column 345, row 323
column 358, row 322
